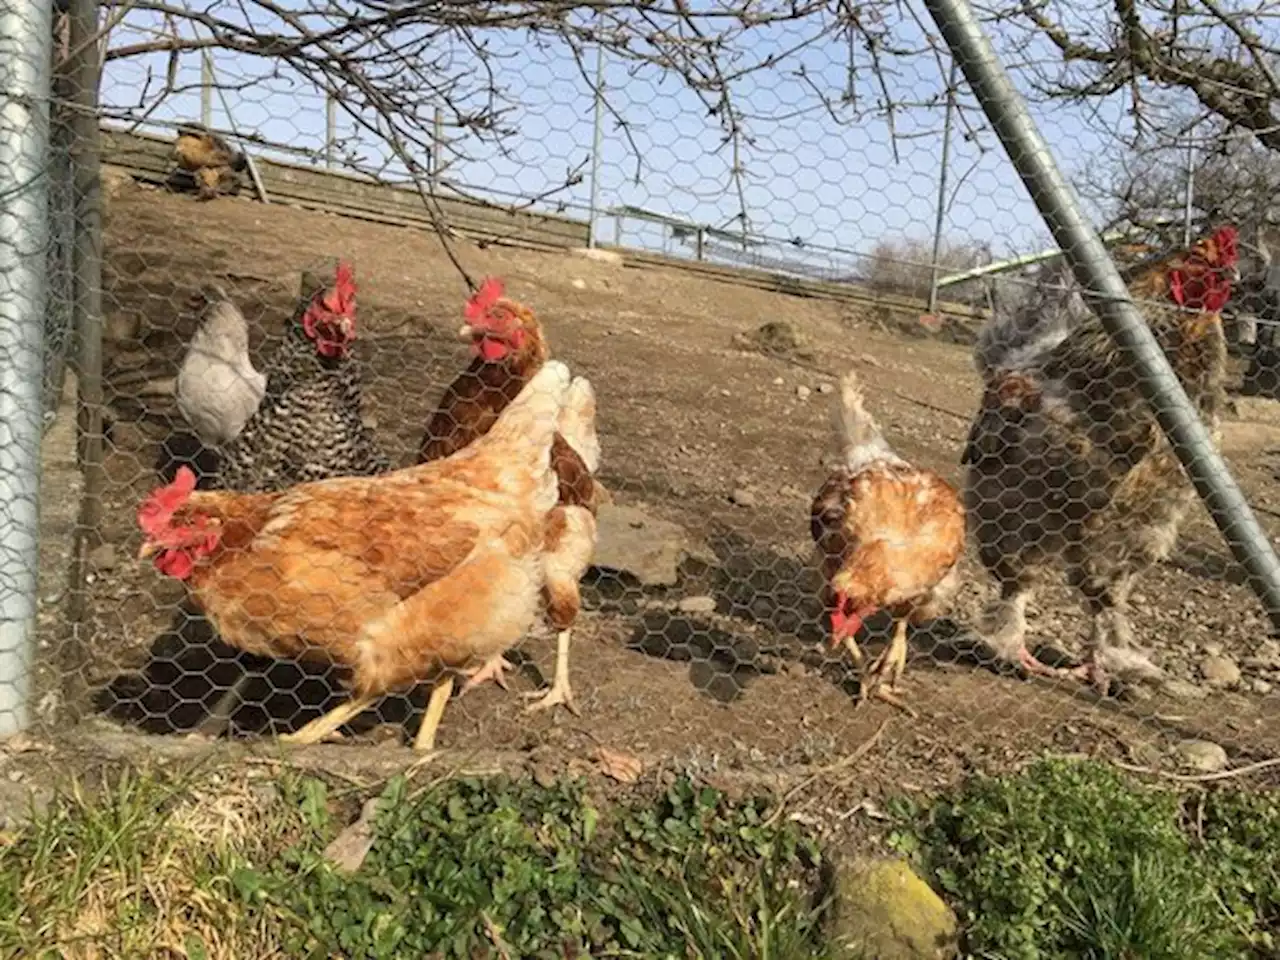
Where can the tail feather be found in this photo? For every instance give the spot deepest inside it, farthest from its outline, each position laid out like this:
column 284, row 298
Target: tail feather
column 577, row 423
column 861, row 441
column 1021, row 334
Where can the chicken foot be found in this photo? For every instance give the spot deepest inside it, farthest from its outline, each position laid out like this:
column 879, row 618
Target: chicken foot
column 560, row 692
column 426, row 738
column 492, row 669
column 321, row 727
column 891, row 663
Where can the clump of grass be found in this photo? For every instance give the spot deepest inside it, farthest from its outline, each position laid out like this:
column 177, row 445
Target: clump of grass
column 509, row 869
column 139, row 867
column 1073, row 858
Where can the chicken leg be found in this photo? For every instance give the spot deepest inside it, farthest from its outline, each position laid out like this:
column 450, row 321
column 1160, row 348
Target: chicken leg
column 426, row 738
column 560, row 692
column 890, row 664
column 321, row 727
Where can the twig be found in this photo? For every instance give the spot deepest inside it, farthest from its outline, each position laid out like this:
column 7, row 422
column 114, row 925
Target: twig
column 1244, row 771
column 841, row 764
column 495, row 936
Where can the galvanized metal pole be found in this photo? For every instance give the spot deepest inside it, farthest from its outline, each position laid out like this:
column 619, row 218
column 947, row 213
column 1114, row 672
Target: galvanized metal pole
column 88, row 324
column 1191, row 190
column 1094, row 269
column 940, row 214
column 26, row 48
column 597, row 144
column 330, row 129
column 206, row 89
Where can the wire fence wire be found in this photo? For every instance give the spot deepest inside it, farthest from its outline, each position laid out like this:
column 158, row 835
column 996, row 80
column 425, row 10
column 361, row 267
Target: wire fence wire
column 291, row 240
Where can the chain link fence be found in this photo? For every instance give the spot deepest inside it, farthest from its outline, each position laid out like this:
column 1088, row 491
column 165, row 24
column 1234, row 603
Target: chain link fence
column 713, row 217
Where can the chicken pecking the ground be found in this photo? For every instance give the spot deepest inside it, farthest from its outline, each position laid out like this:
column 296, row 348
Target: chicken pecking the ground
column 1066, row 462
column 218, row 389
column 208, row 159
column 394, row 578
column 509, row 348
column 890, row 535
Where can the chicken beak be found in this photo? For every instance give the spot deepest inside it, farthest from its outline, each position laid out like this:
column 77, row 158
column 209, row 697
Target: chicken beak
column 148, row 549
column 466, row 333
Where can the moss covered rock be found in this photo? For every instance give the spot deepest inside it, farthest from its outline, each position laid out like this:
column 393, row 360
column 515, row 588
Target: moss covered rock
column 883, row 911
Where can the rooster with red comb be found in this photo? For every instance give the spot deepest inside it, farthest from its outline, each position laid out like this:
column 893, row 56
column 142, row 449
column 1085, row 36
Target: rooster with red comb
column 1066, row 463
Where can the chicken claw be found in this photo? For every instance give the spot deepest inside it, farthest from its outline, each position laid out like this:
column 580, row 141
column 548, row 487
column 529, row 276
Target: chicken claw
column 560, row 692
column 492, row 669
column 890, row 664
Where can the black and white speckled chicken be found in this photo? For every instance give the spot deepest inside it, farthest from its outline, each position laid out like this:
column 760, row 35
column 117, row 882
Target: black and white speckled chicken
column 308, row 426
column 1066, row 463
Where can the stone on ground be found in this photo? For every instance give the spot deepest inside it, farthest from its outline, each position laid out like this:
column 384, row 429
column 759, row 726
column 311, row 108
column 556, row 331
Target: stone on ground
column 883, row 911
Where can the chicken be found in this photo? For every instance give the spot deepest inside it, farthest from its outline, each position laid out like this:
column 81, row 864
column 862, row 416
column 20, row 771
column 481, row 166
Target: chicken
column 393, row 578
column 509, row 348
column 308, row 425
column 208, row 159
column 1066, row 463
column 890, row 537
column 218, row 389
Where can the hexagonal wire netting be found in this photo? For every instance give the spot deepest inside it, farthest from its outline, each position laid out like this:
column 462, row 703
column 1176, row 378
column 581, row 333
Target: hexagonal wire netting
column 713, row 219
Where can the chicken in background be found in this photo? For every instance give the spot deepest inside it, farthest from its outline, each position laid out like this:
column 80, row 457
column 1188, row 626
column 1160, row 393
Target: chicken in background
column 309, row 425
column 393, row 578
column 208, row 160
column 891, row 537
column 1066, row 463
column 218, row 389
column 509, row 349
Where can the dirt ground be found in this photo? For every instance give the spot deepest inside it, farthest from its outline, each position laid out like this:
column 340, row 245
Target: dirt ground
column 690, row 422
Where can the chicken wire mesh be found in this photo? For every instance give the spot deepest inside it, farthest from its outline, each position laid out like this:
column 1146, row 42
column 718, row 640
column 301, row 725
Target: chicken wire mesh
column 764, row 220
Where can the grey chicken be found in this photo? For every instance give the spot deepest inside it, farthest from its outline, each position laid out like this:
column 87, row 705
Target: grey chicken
column 218, row 388
column 1066, row 463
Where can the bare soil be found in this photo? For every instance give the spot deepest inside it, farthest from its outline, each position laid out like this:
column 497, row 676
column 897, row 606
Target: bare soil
column 689, row 416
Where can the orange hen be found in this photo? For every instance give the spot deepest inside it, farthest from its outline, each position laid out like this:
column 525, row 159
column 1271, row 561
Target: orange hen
column 509, row 347
column 890, row 535
column 391, row 577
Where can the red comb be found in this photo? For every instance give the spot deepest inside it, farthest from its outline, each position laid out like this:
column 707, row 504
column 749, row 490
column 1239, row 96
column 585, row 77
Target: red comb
column 341, row 297
column 1226, row 240
column 490, row 292
column 158, row 508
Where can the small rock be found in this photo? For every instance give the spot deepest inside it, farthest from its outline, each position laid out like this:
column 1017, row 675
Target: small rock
column 778, row 381
column 1184, row 690
column 1268, row 652
column 697, row 605
column 825, row 388
column 743, row 498
column 883, row 910
column 632, row 542
column 599, row 255
column 578, row 283
column 1219, row 671
column 103, row 557
column 802, row 392
column 1261, row 687
column 1212, row 649
column 1202, row 755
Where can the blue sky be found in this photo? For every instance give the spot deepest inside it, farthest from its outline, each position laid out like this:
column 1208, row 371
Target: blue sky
column 831, row 184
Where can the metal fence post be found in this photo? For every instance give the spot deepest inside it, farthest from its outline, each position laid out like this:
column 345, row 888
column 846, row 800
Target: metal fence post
column 26, row 48
column 1094, row 269
column 940, row 215
column 597, row 144
column 88, row 321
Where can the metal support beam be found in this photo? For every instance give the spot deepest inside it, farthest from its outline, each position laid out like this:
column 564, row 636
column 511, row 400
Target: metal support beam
column 26, row 47
column 1095, row 271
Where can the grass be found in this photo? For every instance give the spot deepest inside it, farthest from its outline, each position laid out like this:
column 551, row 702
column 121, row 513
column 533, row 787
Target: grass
column 199, row 867
column 1075, row 859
